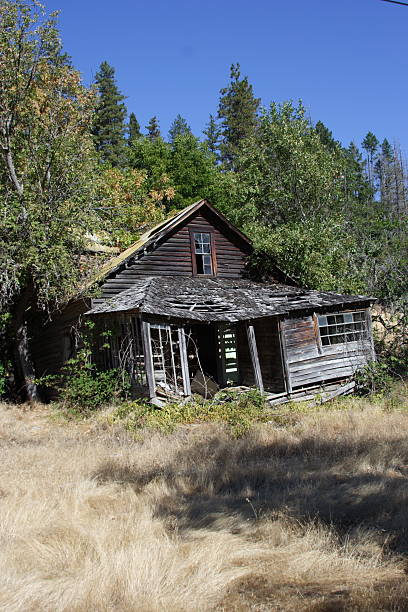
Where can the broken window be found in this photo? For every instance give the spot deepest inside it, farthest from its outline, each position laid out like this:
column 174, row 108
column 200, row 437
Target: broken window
column 167, row 367
column 342, row 327
column 202, row 245
column 227, row 354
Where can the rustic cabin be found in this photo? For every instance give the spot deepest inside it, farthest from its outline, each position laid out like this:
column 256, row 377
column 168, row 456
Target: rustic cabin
column 183, row 317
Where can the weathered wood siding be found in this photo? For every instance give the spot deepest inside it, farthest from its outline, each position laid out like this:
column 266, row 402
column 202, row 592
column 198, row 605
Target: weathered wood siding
column 269, row 354
column 173, row 257
column 54, row 342
column 307, row 364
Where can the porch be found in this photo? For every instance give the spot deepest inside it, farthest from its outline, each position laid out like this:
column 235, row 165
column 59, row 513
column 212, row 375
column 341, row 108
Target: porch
column 174, row 359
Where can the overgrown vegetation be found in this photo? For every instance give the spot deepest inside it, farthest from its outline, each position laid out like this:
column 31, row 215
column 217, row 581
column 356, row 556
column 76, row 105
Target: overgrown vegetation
column 237, row 410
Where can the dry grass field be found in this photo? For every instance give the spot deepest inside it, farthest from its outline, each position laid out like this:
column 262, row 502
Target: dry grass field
column 308, row 514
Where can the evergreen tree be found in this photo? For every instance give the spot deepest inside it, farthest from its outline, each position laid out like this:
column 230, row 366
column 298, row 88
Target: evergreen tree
column 370, row 144
column 212, row 133
column 326, row 136
column 357, row 187
column 109, row 121
column 179, row 127
column 133, row 129
column 153, row 129
column 237, row 112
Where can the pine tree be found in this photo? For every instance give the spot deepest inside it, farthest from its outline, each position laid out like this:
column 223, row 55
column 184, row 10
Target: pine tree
column 179, row 127
column 109, row 121
column 153, row 129
column 237, row 112
column 326, row 136
column 370, row 144
column 133, row 129
column 212, row 133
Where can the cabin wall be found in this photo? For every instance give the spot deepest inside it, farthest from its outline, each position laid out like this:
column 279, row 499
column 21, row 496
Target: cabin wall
column 308, row 364
column 173, row 257
column 54, row 343
column 269, row 354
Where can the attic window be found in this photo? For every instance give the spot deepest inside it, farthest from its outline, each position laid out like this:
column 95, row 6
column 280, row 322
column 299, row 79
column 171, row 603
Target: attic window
column 203, row 253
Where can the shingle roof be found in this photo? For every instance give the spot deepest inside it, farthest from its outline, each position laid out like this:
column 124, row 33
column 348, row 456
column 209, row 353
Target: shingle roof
column 204, row 299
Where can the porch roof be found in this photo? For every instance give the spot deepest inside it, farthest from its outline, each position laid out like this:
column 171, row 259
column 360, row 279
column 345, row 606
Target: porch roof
column 216, row 299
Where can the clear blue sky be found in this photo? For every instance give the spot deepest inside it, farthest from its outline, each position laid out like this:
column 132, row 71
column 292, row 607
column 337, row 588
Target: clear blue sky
column 346, row 59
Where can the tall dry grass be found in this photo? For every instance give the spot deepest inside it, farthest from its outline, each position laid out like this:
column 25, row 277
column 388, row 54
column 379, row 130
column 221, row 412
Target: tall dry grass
column 306, row 516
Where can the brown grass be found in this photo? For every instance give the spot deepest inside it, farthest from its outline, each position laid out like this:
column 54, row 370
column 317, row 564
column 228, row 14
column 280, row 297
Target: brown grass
column 306, row 516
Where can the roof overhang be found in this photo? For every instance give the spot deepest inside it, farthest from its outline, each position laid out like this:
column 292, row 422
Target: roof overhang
column 206, row 300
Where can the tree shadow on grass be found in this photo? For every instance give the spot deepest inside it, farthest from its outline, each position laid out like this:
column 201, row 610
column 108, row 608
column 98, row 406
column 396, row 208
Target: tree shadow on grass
column 338, row 481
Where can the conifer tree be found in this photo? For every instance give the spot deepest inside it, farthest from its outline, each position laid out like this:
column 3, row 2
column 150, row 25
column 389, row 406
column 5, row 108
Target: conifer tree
column 179, row 127
column 109, row 122
column 326, row 136
column 133, row 129
column 370, row 144
column 153, row 129
column 237, row 112
column 212, row 133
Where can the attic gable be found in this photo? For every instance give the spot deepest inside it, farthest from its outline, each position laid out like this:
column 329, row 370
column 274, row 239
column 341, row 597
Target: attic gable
column 151, row 239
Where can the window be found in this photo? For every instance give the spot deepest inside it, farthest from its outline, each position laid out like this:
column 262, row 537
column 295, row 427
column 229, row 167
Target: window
column 202, row 253
column 344, row 327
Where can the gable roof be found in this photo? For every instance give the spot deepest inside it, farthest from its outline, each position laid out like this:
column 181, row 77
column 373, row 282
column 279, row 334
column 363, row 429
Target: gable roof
column 162, row 230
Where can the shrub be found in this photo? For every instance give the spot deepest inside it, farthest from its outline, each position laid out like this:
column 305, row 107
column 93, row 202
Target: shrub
column 238, row 410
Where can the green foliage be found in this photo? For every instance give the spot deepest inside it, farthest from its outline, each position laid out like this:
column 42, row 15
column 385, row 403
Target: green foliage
column 212, row 133
column 133, row 129
column 238, row 410
column 47, row 162
column 316, row 253
column 238, row 115
column 83, row 388
column 108, row 127
column 375, row 378
column 153, row 129
column 179, row 127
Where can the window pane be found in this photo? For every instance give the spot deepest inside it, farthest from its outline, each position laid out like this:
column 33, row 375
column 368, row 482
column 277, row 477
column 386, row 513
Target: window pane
column 207, row 264
column 342, row 327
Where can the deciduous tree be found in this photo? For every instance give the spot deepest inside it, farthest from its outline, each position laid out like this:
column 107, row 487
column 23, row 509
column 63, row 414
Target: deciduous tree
column 46, row 173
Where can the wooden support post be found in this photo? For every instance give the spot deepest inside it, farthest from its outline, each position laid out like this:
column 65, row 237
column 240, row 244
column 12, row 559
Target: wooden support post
column 370, row 334
column 184, row 362
column 285, row 358
column 254, row 356
column 148, row 357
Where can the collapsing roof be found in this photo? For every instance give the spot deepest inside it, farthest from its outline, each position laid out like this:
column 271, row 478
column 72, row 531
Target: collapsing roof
column 213, row 299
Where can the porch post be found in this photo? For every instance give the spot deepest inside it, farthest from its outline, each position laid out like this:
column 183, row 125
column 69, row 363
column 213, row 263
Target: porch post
column 254, row 356
column 148, row 356
column 184, row 362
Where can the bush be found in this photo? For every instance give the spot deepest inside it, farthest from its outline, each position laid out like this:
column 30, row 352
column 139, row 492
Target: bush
column 82, row 387
column 238, row 410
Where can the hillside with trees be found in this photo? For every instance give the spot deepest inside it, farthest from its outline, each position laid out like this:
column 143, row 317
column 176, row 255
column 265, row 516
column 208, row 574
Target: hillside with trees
column 75, row 162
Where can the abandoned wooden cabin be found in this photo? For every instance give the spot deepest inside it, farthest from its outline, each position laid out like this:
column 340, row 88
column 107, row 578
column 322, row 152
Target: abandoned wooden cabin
column 182, row 317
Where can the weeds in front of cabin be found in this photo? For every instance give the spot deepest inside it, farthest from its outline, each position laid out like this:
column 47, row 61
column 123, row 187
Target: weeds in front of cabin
column 237, row 410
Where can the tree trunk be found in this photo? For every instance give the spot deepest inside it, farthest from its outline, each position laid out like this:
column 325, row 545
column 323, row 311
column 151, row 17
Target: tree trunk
column 25, row 373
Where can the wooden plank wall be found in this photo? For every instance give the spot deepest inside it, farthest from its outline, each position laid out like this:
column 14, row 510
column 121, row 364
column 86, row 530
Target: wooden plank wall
column 269, row 353
column 52, row 344
column 268, row 342
column 173, row 258
column 307, row 365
